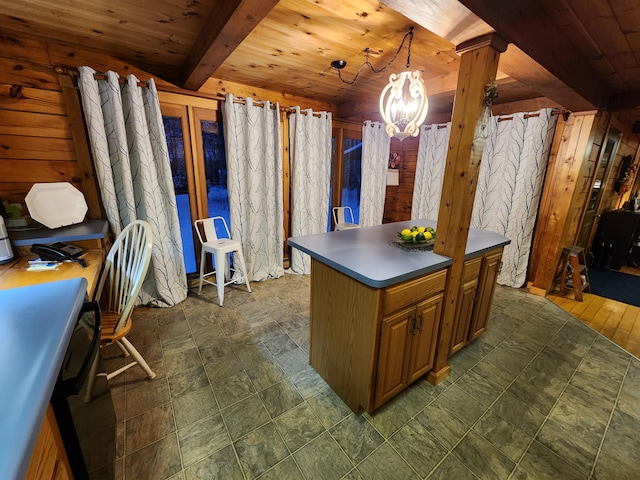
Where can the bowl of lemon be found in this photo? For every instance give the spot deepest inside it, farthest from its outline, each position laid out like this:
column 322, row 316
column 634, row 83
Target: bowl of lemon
column 417, row 236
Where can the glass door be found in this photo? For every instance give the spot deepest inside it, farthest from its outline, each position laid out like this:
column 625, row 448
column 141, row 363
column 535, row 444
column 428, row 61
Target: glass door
column 603, row 168
column 212, row 164
column 176, row 127
column 347, row 168
column 199, row 169
column 352, row 175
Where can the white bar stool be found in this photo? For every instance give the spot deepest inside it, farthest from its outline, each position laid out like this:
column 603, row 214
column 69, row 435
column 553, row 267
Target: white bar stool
column 220, row 248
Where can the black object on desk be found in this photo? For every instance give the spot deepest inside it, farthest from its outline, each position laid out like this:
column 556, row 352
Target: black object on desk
column 617, row 233
column 59, row 252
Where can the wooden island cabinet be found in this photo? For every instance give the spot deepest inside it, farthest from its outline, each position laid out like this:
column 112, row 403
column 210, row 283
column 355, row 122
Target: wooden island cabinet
column 478, row 285
column 376, row 307
column 408, row 336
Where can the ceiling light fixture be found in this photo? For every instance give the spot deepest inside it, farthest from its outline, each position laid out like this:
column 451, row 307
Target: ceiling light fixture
column 403, row 102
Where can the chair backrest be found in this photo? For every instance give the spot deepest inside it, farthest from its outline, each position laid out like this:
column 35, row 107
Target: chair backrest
column 340, row 217
column 207, row 226
column 125, row 269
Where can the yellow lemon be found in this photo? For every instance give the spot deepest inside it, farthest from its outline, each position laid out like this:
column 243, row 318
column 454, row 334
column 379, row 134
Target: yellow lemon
column 414, row 233
column 428, row 235
column 421, row 229
column 406, row 231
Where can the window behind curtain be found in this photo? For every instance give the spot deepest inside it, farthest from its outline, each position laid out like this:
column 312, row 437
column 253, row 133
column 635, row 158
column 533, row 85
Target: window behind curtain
column 352, row 175
column 346, row 166
column 199, row 172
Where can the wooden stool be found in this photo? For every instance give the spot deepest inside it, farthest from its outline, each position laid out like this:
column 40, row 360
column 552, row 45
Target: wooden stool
column 574, row 268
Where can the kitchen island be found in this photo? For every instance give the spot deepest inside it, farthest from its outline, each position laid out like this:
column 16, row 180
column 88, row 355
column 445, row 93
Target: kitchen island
column 376, row 306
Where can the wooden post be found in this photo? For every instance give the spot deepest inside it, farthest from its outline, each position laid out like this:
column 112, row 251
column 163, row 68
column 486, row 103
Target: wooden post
column 81, row 144
column 478, row 67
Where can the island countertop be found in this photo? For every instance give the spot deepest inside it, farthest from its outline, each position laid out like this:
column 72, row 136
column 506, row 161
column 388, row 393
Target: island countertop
column 372, row 255
column 36, row 323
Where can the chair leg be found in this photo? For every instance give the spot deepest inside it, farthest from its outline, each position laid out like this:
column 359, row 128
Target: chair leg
column 227, row 267
column 124, row 351
column 220, row 269
column 145, row 366
column 244, row 269
column 93, row 372
column 202, row 258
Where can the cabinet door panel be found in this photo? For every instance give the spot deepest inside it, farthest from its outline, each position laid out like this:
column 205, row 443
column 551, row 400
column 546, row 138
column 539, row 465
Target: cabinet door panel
column 464, row 310
column 394, row 346
column 486, row 289
column 423, row 342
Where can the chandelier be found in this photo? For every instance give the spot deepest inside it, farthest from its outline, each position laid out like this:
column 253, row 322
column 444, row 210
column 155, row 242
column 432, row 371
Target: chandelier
column 403, row 101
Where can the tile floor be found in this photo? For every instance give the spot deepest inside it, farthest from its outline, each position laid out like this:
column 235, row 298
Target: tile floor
column 539, row 396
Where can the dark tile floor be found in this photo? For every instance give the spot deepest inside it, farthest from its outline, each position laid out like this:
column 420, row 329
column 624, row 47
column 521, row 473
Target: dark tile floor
column 539, row 396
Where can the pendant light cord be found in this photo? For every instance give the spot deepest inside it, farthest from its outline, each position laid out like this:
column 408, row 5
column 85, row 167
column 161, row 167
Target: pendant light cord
column 367, row 63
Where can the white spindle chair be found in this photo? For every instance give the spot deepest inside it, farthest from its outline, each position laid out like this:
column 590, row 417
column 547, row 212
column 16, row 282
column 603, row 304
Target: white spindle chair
column 124, row 271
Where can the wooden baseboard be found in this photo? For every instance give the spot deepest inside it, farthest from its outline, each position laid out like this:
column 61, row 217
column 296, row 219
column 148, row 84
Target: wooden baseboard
column 541, row 292
column 434, row 378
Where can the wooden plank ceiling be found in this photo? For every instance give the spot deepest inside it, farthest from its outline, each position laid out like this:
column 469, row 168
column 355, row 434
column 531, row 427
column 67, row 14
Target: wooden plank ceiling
column 586, row 52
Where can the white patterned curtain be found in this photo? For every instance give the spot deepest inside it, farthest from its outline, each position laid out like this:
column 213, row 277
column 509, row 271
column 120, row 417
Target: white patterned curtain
column 311, row 149
column 375, row 160
column 432, row 155
column 254, row 181
column 510, row 181
column 511, row 176
column 132, row 164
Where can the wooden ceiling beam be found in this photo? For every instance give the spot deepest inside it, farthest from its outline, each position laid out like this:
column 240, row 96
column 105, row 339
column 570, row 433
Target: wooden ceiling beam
column 522, row 68
column 446, row 18
column 526, row 24
column 624, row 101
column 228, row 24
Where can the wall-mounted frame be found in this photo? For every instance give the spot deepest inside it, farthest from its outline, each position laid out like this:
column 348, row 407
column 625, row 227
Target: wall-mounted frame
column 393, row 172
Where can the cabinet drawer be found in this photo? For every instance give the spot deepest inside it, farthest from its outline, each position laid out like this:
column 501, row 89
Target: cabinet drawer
column 471, row 269
column 412, row 291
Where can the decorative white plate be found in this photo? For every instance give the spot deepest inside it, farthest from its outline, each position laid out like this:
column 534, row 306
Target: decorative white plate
column 56, row 204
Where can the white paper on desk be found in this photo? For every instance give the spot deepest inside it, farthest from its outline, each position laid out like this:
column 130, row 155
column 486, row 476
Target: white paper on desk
column 39, row 266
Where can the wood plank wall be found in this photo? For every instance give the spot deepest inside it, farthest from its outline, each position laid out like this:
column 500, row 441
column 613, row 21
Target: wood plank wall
column 35, row 136
column 577, row 145
column 36, row 143
column 629, row 145
column 590, row 153
column 563, row 197
column 398, row 199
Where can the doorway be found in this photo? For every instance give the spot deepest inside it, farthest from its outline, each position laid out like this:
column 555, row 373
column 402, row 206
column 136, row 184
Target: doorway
column 195, row 141
column 346, row 168
column 593, row 209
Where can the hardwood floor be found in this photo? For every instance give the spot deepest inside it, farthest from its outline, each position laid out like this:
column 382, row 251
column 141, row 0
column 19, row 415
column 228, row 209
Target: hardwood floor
column 617, row 321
